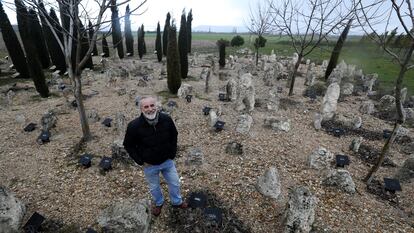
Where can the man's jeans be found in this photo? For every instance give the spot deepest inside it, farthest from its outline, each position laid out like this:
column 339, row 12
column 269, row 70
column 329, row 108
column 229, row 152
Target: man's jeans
column 169, row 172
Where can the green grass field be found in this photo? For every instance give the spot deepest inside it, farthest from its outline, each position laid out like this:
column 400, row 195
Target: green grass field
column 367, row 57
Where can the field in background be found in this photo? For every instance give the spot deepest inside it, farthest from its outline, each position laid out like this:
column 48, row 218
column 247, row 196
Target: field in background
column 367, row 57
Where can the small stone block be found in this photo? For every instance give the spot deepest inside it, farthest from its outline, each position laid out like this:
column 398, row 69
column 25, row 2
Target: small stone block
column 206, row 111
column 342, row 160
column 188, row 98
column 219, row 125
column 338, row 132
column 386, row 133
column 172, row 103
column 106, row 163
column 392, row 185
column 30, row 127
column 34, row 222
column 86, row 160
column 214, row 215
column 222, row 97
column 107, row 122
column 197, row 200
column 44, row 137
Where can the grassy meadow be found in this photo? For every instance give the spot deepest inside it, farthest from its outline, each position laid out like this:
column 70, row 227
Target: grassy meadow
column 368, row 57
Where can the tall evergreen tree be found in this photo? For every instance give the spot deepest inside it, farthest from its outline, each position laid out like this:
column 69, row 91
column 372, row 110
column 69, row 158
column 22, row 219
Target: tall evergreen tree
column 222, row 43
column 39, row 41
column 105, row 48
column 158, row 46
column 173, row 61
column 144, row 46
column 80, row 35
column 116, row 30
column 35, row 69
column 337, row 50
column 91, row 32
column 140, row 43
column 129, row 39
column 189, row 34
column 182, row 46
column 55, row 51
column 12, row 45
column 84, row 40
column 165, row 34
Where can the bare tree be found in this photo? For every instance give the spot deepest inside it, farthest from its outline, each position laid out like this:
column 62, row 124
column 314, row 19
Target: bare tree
column 307, row 24
column 72, row 14
column 259, row 25
column 368, row 15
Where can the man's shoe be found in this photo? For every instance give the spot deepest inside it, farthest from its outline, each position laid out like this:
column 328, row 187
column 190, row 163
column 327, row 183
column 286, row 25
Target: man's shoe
column 183, row 205
column 156, row 210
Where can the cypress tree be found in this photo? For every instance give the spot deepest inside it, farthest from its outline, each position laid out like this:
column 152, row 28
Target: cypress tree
column 189, row 34
column 116, row 30
column 129, row 39
column 140, row 44
column 144, row 46
column 182, row 46
column 84, row 40
column 25, row 28
column 337, row 50
column 165, row 34
column 173, row 61
column 158, row 46
column 13, row 45
column 55, row 51
column 39, row 39
column 91, row 32
column 222, row 43
column 105, row 48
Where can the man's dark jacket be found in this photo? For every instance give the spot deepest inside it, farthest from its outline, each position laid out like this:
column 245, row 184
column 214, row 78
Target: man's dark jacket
column 151, row 144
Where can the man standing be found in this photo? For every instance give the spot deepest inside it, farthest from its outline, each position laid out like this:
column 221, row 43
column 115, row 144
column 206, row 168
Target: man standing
column 151, row 140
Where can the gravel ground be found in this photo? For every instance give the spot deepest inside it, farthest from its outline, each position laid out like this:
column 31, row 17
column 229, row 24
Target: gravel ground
column 48, row 179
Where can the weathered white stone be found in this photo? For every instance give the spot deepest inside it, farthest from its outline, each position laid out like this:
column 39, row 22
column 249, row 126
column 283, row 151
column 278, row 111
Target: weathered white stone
column 278, row 124
column 340, row 178
column 269, row 183
column 244, row 123
column 184, row 90
column 330, row 101
column 231, row 89
column 356, row 143
column 347, row 89
column 195, row 157
column 406, row 172
column 93, row 116
column 386, row 103
column 245, row 94
column 317, row 121
column 12, row 211
column 48, row 120
column 320, row 158
column 300, row 211
column 367, row 107
column 126, row 216
column 213, row 118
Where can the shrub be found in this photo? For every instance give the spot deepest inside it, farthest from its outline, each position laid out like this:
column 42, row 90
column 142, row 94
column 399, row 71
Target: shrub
column 237, row 41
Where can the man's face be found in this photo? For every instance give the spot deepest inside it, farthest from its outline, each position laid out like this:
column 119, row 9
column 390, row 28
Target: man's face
column 148, row 108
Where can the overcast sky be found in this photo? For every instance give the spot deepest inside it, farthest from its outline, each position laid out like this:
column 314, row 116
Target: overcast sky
column 205, row 12
column 232, row 13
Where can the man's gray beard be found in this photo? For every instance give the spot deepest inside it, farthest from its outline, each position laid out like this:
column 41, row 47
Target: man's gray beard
column 150, row 116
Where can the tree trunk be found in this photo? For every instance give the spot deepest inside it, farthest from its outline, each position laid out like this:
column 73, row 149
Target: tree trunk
column 337, row 50
column 400, row 118
column 257, row 56
column 81, row 108
column 295, row 70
